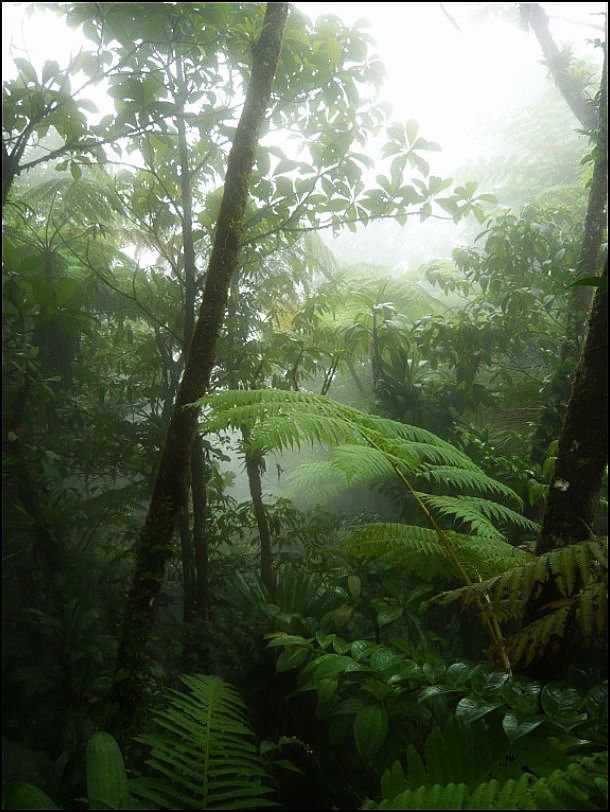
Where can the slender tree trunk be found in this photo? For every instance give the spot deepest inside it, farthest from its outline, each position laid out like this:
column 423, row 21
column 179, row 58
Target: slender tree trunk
column 188, row 573
column 198, row 483
column 583, row 445
column 549, row 422
column 200, row 539
column 171, row 485
column 534, row 16
column 253, row 469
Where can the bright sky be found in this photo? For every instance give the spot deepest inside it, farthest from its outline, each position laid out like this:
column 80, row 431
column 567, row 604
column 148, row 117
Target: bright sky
column 451, row 81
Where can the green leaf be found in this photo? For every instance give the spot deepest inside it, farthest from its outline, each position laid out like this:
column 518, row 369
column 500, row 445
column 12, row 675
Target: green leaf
column 21, row 795
column 591, row 281
column 354, row 584
column 49, row 71
column 26, row 69
column 290, row 659
column 411, row 130
column 559, row 700
column 75, row 170
column 106, row 776
column 287, row 640
column 370, row 730
column 389, row 615
column 471, row 708
column 516, row 726
column 343, row 614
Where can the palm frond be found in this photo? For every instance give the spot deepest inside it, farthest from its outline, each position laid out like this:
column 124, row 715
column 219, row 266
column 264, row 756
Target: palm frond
column 204, row 756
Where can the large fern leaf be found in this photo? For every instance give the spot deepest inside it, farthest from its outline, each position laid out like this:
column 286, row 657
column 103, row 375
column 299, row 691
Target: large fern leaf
column 419, row 549
column 367, row 448
column 204, row 756
column 580, row 572
column 582, row 785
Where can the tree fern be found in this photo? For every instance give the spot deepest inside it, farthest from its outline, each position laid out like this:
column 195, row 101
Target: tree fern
column 580, row 572
column 204, row 756
column 418, row 549
column 367, row 447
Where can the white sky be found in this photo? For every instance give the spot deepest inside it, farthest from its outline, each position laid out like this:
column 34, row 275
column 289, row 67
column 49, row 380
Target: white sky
column 450, row 81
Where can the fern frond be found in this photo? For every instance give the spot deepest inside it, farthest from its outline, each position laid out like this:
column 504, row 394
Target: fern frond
column 471, row 479
column 500, row 513
column 576, row 563
column 419, row 549
column 464, row 512
column 582, row 785
column 490, row 795
column 533, row 639
column 205, row 755
column 323, row 420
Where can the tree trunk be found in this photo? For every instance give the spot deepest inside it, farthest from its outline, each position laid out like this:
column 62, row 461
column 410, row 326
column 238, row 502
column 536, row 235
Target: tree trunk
column 200, row 539
column 253, row 469
column 549, row 422
column 534, row 16
column 583, row 445
column 188, row 573
column 197, row 483
column 171, row 485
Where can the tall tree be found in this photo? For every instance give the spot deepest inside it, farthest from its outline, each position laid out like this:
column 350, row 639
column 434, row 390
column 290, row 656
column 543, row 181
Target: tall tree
column 533, row 16
column 549, row 422
column 171, row 484
column 583, row 444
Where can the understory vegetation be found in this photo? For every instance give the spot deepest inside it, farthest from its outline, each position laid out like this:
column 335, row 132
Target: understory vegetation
column 282, row 530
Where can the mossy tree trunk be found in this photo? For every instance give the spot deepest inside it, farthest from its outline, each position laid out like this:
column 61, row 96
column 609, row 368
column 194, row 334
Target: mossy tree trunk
column 576, row 482
column 254, row 463
column 200, row 593
column 583, row 444
column 549, row 422
column 170, row 491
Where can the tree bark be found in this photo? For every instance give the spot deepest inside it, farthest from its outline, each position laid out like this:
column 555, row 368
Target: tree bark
column 253, row 469
column 583, row 445
column 579, row 304
column 188, row 574
column 200, row 538
column 171, row 485
column 198, row 482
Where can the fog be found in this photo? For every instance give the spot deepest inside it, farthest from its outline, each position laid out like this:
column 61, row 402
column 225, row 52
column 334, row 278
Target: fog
column 466, row 72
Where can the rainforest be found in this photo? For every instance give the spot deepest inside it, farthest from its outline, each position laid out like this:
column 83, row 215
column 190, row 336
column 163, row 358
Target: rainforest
column 305, row 406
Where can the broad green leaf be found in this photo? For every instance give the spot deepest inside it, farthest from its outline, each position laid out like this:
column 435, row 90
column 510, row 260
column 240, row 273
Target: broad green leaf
column 591, row 281
column 21, row 795
column 389, row 615
column 411, row 130
column 26, row 69
column 290, row 659
column 370, row 730
column 354, row 584
column 559, row 700
column 516, row 726
column 287, row 640
column 471, row 708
